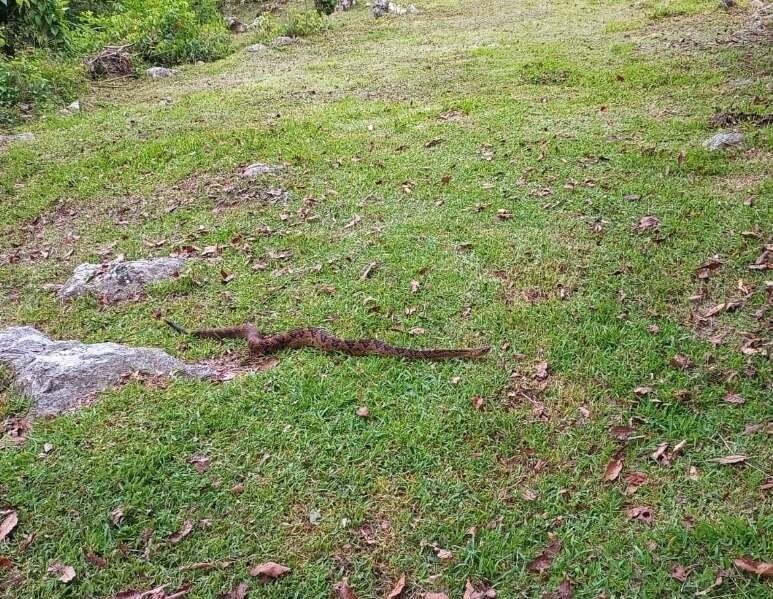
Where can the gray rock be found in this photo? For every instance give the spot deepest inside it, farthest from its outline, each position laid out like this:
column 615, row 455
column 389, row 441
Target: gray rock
column 256, row 48
column 343, row 5
column 235, row 25
column 721, row 141
column 259, row 168
column 18, row 137
column 74, row 107
column 283, row 41
column 118, row 280
column 63, row 375
column 741, row 82
column 383, row 7
column 161, row 73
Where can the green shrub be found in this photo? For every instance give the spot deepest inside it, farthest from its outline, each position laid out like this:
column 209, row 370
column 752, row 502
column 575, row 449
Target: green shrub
column 325, row 7
column 303, row 24
column 164, row 32
column 36, row 22
column 35, row 77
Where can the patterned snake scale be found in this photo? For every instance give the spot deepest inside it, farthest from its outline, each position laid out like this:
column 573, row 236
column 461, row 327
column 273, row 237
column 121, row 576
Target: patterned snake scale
column 261, row 345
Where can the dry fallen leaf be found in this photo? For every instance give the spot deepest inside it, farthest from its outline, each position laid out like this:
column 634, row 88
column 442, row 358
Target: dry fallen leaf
column 681, row 361
column 471, row 593
column 344, row 590
column 642, row 513
column 95, row 560
column 398, row 588
column 8, row 524
column 680, row 573
column 730, row 459
column 184, row 531
column 117, row 516
column 747, row 564
column 62, row 572
column 621, row 432
column 633, row 481
column 238, row 592
column 659, row 454
column 528, row 495
column 443, row 554
column 200, row 463
column 434, row 596
column 543, row 561
column 642, row 391
column 565, row 589
column 648, row 223
column 477, row 402
column 734, row 398
column 613, row 469
column 541, row 370
column 269, row 570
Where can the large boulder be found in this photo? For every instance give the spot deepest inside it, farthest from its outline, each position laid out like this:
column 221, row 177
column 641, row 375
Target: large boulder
column 63, row 375
column 119, row 281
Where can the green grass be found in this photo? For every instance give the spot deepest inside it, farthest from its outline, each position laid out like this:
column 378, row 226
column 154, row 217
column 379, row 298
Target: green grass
column 574, row 114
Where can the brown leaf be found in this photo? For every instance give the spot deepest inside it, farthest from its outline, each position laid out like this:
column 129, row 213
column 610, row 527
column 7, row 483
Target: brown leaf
column 238, row 592
column 200, row 462
column 642, row 513
column 747, row 564
column 5, row 564
column 541, row 370
column 398, row 588
column 633, row 481
column 477, row 402
column 766, row 485
column 504, row 214
column 269, row 570
column 528, row 495
column 368, row 270
column 184, row 531
column 659, row 452
column 344, row 590
column 621, row 432
column 734, row 398
column 565, row 589
column 543, row 561
column 95, row 560
column 680, row 573
column 681, row 361
column 62, row 572
column 705, row 269
column 443, row 554
column 642, row 391
column 730, row 459
column 648, row 223
column 434, row 596
column 613, row 469
column 363, row 412
column 117, row 516
column 8, row 524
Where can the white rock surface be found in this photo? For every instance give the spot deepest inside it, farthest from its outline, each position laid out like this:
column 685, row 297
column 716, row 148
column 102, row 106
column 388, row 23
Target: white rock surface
column 260, row 168
column 161, row 73
column 18, row 137
column 721, row 141
column 118, row 281
column 63, row 375
column 256, row 48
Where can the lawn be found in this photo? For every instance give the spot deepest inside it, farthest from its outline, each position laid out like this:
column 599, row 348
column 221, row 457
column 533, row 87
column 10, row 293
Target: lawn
column 495, row 160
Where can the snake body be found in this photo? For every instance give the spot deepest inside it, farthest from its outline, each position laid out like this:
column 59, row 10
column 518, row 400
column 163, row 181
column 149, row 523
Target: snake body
column 261, row 345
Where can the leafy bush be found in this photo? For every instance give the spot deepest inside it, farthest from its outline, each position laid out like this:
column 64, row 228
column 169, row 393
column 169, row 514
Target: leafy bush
column 325, row 7
column 303, row 24
column 164, row 32
column 36, row 22
column 35, row 77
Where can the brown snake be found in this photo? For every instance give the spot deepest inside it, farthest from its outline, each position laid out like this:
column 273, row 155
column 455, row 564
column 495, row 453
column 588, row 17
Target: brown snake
column 261, row 345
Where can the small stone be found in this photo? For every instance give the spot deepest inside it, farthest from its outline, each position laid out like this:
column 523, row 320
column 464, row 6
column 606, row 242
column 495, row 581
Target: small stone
column 256, row 48
column 119, row 281
column 260, row 168
column 18, row 137
column 235, row 25
column 161, row 73
column 722, row 141
column 283, row 40
column 74, row 107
